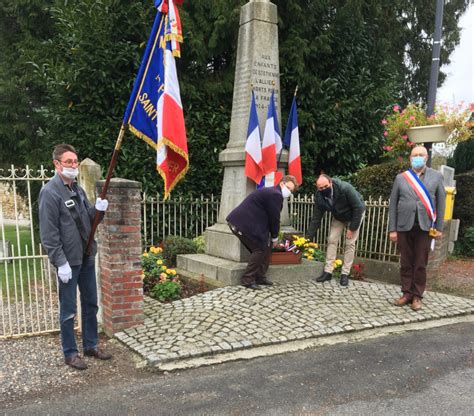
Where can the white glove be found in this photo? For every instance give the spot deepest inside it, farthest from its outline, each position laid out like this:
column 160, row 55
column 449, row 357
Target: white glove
column 101, row 204
column 65, row 272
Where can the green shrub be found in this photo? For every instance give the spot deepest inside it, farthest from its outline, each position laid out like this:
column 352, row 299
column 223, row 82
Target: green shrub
column 463, row 157
column 166, row 290
column 377, row 180
column 465, row 244
column 200, row 243
column 174, row 245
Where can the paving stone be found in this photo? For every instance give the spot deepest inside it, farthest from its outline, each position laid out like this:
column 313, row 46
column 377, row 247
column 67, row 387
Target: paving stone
column 234, row 318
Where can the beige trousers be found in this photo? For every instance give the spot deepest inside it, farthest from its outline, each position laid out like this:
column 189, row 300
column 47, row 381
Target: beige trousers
column 337, row 227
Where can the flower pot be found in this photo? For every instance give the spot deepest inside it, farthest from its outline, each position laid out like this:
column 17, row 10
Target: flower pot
column 285, row 257
column 428, row 134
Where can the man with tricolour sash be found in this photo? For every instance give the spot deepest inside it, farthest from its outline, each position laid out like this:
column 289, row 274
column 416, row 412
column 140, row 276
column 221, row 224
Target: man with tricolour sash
column 416, row 218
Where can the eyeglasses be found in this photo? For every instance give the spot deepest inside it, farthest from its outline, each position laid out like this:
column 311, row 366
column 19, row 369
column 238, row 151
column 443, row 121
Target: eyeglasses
column 69, row 162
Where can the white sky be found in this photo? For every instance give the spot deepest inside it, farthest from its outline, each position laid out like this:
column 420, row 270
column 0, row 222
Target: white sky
column 458, row 86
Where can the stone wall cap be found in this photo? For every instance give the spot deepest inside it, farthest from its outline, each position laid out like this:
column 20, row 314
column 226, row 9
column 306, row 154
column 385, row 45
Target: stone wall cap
column 121, row 183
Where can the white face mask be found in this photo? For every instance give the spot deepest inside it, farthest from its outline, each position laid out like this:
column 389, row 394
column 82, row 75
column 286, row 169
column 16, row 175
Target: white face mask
column 70, row 173
column 285, row 192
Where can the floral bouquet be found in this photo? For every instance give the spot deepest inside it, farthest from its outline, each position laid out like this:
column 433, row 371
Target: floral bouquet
column 311, row 251
column 159, row 281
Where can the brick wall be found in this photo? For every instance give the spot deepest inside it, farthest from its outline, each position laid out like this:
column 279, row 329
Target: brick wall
column 119, row 257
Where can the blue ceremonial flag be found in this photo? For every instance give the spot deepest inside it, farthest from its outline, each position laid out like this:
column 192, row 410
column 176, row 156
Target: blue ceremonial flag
column 141, row 113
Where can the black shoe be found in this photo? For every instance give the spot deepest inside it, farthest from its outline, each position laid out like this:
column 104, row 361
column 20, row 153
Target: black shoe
column 252, row 286
column 344, row 280
column 325, row 276
column 264, row 281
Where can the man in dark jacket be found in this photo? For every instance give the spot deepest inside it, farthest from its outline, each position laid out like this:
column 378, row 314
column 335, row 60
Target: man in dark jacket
column 253, row 221
column 347, row 208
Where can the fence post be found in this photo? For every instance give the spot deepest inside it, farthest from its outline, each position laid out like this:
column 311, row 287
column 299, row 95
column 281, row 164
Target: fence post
column 120, row 251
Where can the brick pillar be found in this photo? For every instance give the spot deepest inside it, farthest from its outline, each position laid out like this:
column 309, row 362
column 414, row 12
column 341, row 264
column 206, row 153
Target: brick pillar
column 119, row 257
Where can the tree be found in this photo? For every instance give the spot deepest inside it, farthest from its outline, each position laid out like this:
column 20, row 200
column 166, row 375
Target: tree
column 70, row 67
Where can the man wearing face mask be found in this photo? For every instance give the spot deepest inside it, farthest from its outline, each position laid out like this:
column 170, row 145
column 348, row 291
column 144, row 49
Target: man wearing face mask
column 65, row 217
column 254, row 221
column 416, row 217
column 347, row 208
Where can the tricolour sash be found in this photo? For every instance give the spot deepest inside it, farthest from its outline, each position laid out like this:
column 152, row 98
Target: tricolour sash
column 420, row 189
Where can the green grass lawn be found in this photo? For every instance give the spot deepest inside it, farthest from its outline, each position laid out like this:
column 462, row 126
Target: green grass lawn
column 12, row 269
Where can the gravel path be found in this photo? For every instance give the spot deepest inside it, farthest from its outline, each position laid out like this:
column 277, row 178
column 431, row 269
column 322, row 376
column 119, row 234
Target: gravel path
column 33, row 369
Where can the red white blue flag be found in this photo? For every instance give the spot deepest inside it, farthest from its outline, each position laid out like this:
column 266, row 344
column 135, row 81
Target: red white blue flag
column 253, row 147
column 292, row 140
column 271, row 146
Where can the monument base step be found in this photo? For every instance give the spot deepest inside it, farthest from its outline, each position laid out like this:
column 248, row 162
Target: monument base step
column 228, row 272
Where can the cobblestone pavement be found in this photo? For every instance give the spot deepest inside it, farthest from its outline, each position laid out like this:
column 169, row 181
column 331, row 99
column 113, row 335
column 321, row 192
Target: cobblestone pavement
column 235, row 318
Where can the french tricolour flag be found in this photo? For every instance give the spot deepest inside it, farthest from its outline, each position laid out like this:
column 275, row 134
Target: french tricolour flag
column 292, row 140
column 271, row 146
column 253, row 148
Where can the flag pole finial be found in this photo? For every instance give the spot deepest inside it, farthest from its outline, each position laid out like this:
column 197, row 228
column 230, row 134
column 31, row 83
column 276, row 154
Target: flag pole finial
column 296, row 90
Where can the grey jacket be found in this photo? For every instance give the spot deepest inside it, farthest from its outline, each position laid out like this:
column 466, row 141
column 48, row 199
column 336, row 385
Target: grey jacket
column 58, row 231
column 405, row 204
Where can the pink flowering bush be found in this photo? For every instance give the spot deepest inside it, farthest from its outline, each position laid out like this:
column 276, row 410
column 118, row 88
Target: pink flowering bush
column 396, row 124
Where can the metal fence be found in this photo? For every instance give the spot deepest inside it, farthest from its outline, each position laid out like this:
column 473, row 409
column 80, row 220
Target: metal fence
column 184, row 216
column 189, row 217
column 28, row 290
column 28, row 287
column 373, row 242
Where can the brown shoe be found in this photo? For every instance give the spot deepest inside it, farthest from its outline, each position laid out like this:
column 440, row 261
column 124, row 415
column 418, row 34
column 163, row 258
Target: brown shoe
column 416, row 305
column 404, row 300
column 97, row 353
column 75, row 361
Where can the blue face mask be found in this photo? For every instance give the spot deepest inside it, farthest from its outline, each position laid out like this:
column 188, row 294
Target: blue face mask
column 418, row 162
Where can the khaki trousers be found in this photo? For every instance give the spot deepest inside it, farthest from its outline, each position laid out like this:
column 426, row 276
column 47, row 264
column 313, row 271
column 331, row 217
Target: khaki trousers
column 335, row 232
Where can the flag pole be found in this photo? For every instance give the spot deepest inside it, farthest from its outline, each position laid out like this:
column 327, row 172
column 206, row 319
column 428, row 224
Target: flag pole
column 103, row 194
column 281, row 150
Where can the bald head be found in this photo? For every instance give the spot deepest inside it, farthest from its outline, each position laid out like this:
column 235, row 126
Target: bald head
column 323, row 182
column 419, row 151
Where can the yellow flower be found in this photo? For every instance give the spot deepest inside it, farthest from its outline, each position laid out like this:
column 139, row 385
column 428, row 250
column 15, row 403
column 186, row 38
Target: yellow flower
column 143, row 276
column 163, row 268
column 159, row 262
column 145, row 254
column 311, row 250
column 159, row 249
column 310, row 258
column 163, row 276
column 173, row 272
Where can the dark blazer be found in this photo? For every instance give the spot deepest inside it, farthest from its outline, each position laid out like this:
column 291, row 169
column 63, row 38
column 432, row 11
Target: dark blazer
column 259, row 214
column 405, row 204
column 348, row 207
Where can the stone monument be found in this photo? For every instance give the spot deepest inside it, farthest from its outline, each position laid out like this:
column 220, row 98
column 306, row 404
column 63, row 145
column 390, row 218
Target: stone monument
column 257, row 66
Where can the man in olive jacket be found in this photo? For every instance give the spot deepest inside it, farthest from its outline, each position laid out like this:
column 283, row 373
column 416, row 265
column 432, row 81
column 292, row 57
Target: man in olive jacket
column 347, row 208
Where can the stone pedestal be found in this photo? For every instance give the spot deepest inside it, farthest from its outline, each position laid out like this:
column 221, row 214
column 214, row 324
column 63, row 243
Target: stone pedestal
column 119, row 252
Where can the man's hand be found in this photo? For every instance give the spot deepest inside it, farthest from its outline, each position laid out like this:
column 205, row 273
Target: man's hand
column 101, row 204
column 65, row 272
column 393, row 236
column 349, row 234
column 274, row 242
column 439, row 234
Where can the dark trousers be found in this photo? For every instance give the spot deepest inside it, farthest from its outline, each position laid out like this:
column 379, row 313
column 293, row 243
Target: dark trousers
column 414, row 250
column 259, row 258
column 84, row 277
